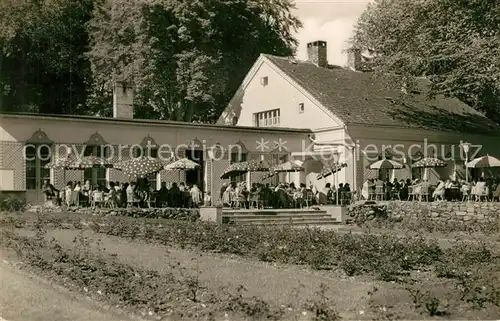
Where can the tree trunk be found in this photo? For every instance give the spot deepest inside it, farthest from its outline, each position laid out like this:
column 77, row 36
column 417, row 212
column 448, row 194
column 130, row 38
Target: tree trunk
column 188, row 111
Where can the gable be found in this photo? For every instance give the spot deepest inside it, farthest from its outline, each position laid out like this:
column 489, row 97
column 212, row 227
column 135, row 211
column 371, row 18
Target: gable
column 267, row 88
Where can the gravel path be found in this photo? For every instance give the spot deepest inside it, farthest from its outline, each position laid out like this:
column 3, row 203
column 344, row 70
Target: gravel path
column 26, row 297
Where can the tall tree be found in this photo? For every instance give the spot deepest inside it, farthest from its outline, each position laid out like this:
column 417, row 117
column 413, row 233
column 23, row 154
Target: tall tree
column 454, row 43
column 186, row 58
column 42, row 63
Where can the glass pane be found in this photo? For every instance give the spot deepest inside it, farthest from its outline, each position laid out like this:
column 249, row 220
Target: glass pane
column 88, row 151
column 101, row 173
column 30, row 169
column 30, row 183
column 44, row 173
column 44, row 151
column 30, row 151
column 87, row 174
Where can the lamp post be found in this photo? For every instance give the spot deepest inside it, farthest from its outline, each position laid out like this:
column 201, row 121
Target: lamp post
column 466, row 147
column 211, row 157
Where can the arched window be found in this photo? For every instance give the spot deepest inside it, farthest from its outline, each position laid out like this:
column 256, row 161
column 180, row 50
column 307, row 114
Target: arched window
column 96, row 146
column 37, row 154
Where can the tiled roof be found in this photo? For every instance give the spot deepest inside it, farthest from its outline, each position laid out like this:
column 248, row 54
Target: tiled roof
column 360, row 98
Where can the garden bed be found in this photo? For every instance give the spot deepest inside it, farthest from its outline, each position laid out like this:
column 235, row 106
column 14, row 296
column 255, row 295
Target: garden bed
column 414, row 275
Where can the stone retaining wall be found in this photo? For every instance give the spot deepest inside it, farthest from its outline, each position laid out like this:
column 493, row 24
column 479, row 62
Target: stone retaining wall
column 446, row 211
column 436, row 216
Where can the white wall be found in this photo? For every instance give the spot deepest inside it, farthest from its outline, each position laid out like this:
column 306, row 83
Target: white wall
column 279, row 93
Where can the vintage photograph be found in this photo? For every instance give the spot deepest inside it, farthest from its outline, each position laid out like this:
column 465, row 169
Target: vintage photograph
column 248, row 160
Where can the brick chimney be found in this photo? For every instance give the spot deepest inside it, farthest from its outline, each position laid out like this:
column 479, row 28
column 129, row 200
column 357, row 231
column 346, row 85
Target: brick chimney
column 123, row 100
column 317, row 53
column 354, row 60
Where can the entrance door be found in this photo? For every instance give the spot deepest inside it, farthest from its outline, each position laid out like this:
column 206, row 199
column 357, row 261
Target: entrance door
column 195, row 176
column 37, row 157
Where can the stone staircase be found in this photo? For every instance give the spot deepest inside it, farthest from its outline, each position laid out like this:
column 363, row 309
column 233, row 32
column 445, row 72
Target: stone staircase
column 294, row 217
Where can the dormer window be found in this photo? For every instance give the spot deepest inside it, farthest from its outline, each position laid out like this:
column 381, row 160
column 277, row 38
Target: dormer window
column 264, row 81
column 301, row 108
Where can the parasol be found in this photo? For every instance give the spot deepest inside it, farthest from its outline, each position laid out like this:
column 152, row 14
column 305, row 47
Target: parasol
column 59, row 163
column 240, row 168
column 485, row 161
column 330, row 169
column 429, row 162
column 140, row 167
column 91, row 162
column 182, row 164
column 287, row 167
column 386, row 164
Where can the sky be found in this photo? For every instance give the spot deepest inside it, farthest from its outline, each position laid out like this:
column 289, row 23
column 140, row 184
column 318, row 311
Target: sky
column 328, row 20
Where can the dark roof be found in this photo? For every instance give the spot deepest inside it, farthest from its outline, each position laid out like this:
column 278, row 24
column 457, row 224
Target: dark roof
column 360, row 98
column 149, row 122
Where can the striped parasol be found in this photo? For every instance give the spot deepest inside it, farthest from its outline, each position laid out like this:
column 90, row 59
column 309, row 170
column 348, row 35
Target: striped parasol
column 485, row 161
column 386, row 164
column 330, row 169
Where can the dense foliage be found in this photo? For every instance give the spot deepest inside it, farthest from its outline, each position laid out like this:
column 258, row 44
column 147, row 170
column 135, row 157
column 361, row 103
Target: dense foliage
column 185, row 58
column 42, row 63
column 455, row 43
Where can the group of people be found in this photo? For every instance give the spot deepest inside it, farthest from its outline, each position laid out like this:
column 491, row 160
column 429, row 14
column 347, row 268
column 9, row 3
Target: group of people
column 451, row 190
column 138, row 193
column 282, row 195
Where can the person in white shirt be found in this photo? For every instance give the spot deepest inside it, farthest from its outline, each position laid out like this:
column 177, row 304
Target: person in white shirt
column 439, row 191
column 97, row 197
column 68, row 193
column 195, row 195
column 76, row 194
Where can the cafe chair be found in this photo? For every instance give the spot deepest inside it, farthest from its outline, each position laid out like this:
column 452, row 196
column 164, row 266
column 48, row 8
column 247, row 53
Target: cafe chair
column 424, row 194
column 379, row 193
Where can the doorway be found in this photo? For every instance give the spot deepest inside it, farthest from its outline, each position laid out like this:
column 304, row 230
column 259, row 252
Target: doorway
column 195, row 176
column 36, row 157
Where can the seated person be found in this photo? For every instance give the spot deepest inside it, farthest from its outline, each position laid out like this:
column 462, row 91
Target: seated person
column 97, row 196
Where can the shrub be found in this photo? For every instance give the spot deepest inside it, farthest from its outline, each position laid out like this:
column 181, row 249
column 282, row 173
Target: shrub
column 11, row 204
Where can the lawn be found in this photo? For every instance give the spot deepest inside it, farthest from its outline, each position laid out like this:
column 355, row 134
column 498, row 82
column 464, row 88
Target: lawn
column 189, row 270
